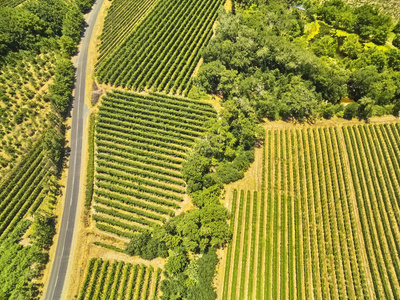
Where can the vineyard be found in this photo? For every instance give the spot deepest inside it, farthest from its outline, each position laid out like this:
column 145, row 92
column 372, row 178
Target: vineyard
column 121, row 18
column 11, row 3
column 325, row 224
column 119, row 280
column 162, row 52
column 141, row 143
column 22, row 192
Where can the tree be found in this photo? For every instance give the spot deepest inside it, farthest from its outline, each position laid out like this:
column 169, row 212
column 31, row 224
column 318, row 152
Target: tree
column 51, row 12
column 19, row 29
column 361, row 81
column 396, row 40
column 73, row 24
column 43, row 229
column 61, row 89
column 371, row 24
column 67, row 45
column 326, row 46
column 365, row 108
column 53, row 145
column 350, row 111
column 396, row 28
column 351, row 46
column 177, row 262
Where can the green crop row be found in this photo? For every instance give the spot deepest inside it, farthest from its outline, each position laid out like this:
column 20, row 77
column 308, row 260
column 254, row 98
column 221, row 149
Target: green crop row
column 163, row 48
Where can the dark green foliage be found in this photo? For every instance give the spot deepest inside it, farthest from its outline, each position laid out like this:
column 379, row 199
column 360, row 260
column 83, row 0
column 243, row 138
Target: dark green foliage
column 372, row 24
column 207, row 196
column 53, row 145
column 195, row 279
column 19, row 29
column 146, row 246
column 44, row 228
column 396, row 40
column 73, row 24
column 350, row 111
column 326, row 46
column 19, row 265
column 51, row 12
column 84, row 5
column 61, row 89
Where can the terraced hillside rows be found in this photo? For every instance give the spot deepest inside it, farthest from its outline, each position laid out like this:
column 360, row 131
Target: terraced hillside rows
column 121, row 19
column 22, row 192
column 163, row 51
column 141, row 143
column 326, row 223
column 119, row 280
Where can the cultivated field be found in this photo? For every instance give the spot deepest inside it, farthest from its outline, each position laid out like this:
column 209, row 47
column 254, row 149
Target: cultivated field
column 162, row 52
column 22, row 192
column 10, row 3
column 141, row 143
column 121, row 19
column 119, row 280
column 23, row 107
column 325, row 224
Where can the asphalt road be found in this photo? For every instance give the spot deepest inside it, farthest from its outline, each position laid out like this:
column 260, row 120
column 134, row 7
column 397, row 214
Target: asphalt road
column 62, row 257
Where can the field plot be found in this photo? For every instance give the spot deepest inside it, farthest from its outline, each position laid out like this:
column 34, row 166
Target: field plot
column 11, row 3
column 121, row 19
column 23, row 105
column 163, row 50
column 326, row 223
column 22, row 192
column 141, row 142
column 119, row 280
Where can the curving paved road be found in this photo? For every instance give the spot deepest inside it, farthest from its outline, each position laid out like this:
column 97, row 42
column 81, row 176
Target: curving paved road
column 61, row 260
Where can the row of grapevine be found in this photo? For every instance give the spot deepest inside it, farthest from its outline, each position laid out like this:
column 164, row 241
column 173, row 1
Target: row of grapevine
column 377, row 195
column 22, row 192
column 11, row 3
column 119, row 281
column 163, row 50
column 140, row 147
column 326, row 226
column 121, row 19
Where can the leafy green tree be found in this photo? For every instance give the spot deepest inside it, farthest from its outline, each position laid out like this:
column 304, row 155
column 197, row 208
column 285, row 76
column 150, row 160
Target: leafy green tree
column 19, row 29
column 51, row 12
column 177, row 262
column 372, row 24
column 365, row 108
column 67, row 45
column 44, row 229
column 326, row 46
column 73, row 24
column 361, row 81
column 61, row 89
column 396, row 28
column 53, row 145
column 350, row 111
column 396, row 40
column 207, row 196
column 85, row 5
column 393, row 59
column 351, row 46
